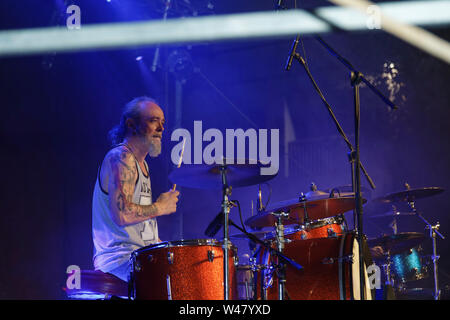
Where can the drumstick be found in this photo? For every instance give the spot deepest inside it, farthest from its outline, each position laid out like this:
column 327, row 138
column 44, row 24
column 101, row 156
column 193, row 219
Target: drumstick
column 179, row 162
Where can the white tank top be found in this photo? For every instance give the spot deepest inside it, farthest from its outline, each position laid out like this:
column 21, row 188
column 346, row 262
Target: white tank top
column 114, row 244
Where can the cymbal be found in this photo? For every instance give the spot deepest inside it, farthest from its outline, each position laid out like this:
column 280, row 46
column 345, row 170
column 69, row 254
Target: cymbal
column 258, row 234
column 410, row 195
column 203, row 176
column 397, row 243
column 315, row 209
column 393, row 214
column 347, row 191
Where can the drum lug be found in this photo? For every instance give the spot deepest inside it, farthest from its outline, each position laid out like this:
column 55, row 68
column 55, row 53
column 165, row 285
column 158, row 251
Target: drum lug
column 210, row 255
column 331, row 233
column 347, row 258
column 137, row 266
column 150, row 258
column 328, row 260
column 170, row 257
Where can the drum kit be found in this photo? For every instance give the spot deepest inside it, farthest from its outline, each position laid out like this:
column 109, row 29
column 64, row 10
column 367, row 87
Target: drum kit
column 308, row 252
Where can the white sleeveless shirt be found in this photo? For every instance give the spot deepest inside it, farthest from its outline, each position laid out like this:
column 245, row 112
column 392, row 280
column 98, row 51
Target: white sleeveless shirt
column 114, row 244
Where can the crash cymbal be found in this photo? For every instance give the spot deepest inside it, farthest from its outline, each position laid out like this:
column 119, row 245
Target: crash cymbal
column 410, row 195
column 315, row 209
column 203, row 176
column 397, row 243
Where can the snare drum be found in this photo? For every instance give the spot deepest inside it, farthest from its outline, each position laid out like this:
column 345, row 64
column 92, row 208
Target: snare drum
column 330, row 271
column 182, row 270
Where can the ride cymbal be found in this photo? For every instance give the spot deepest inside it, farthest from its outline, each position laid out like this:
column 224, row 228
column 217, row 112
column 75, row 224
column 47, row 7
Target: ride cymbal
column 203, row 176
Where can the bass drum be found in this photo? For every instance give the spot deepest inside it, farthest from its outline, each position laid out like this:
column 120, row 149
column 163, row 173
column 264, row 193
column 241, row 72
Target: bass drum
column 330, row 270
column 182, row 270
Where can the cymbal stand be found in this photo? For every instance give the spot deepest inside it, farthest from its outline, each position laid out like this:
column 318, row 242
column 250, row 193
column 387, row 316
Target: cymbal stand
column 387, row 270
column 433, row 231
column 280, row 246
column 226, row 192
column 281, row 256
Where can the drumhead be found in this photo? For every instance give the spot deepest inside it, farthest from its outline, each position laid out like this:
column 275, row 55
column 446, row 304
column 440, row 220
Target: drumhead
column 354, row 269
column 181, row 243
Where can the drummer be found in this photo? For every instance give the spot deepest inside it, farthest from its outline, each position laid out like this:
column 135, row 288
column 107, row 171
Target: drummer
column 123, row 213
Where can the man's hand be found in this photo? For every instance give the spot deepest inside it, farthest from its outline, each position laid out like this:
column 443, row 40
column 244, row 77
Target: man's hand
column 167, row 202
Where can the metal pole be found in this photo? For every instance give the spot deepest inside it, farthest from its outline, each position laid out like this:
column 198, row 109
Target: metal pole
column 355, row 81
column 226, row 210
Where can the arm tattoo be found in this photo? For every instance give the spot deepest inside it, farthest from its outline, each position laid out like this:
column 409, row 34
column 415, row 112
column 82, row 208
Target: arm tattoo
column 123, row 182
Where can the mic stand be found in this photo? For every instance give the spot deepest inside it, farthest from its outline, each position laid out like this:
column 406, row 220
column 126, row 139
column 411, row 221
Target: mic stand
column 354, row 155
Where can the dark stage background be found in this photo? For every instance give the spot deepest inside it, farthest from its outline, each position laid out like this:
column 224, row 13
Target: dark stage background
column 57, row 110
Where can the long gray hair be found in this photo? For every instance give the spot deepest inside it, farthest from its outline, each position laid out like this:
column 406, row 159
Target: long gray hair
column 130, row 111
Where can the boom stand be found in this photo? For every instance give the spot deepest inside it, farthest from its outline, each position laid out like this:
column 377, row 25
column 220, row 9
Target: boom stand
column 356, row 78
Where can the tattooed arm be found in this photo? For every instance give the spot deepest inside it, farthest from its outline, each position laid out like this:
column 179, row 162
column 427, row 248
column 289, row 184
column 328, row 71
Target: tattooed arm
column 122, row 172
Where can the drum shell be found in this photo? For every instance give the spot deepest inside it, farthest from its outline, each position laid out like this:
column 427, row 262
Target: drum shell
column 408, row 266
column 328, row 270
column 193, row 270
column 324, row 228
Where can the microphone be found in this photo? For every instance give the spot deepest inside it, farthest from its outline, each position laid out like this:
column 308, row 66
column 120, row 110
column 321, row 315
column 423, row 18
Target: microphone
column 292, row 54
column 215, row 225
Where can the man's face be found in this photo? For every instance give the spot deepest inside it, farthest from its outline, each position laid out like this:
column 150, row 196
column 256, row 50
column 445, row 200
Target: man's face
column 152, row 127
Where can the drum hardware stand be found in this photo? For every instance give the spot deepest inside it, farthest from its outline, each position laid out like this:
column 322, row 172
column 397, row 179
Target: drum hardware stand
column 387, row 270
column 280, row 246
column 394, row 223
column 433, row 231
column 284, row 260
column 302, row 198
column 226, row 192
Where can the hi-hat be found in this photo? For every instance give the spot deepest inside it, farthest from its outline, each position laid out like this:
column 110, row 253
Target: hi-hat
column 410, row 195
column 346, row 191
column 203, row 176
column 315, row 210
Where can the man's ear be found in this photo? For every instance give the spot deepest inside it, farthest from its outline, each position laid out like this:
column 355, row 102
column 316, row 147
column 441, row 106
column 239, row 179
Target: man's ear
column 131, row 125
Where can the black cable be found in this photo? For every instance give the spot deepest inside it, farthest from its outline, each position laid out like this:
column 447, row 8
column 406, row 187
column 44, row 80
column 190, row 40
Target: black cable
column 240, row 213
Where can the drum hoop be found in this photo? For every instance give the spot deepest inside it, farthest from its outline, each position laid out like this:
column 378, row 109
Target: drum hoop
column 182, row 243
column 310, row 226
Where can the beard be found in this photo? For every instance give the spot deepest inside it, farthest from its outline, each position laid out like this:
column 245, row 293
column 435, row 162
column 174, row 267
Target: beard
column 155, row 147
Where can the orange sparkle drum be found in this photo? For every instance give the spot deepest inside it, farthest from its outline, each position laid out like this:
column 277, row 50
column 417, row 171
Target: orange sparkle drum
column 324, row 228
column 182, row 270
column 330, row 270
